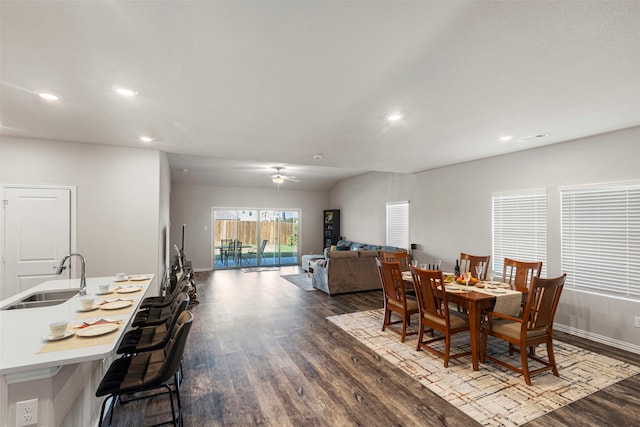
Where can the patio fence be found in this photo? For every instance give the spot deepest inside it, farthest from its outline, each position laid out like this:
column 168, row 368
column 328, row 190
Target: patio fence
column 247, row 231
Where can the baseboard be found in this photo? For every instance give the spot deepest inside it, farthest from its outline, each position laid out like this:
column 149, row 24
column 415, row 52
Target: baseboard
column 598, row 338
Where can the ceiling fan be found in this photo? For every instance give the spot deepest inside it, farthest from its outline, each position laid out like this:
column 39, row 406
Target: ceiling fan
column 279, row 177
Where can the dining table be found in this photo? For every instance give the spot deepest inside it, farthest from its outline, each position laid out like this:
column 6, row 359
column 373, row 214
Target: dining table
column 474, row 301
column 236, row 251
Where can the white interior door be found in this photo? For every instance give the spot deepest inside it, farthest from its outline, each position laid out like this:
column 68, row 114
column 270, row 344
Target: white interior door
column 37, row 235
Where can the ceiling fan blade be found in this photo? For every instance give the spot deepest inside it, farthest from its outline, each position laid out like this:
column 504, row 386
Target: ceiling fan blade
column 290, row 178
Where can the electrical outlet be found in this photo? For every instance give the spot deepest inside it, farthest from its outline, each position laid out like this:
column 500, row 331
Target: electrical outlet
column 27, row 413
column 637, row 322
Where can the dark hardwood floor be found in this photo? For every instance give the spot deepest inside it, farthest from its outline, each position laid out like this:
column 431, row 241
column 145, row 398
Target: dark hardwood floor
column 261, row 352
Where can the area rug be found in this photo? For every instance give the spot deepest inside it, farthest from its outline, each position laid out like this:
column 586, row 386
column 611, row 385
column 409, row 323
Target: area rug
column 257, row 269
column 303, row 281
column 493, row 396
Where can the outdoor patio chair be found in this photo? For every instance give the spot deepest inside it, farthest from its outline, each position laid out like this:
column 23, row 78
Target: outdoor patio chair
column 258, row 251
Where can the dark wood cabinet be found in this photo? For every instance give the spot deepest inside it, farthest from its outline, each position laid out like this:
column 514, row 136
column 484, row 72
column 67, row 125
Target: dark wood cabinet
column 331, row 227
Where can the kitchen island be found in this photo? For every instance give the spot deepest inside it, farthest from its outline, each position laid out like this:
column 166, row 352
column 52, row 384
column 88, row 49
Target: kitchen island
column 62, row 375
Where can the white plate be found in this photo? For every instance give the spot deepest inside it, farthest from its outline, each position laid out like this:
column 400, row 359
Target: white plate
column 139, row 277
column 83, row 310
column 97, row 330
column 128, row 289
column 120, row 280
column 105, row 293
column 115, row 305
column 66, row 335
column 498, row 291
column 453, row 288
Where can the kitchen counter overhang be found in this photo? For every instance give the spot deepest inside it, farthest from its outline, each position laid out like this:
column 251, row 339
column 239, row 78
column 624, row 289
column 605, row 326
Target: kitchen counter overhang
column 21, row 330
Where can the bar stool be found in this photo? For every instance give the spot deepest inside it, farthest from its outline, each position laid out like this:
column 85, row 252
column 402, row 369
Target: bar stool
column 152, row 371
column 154, row 316
column 153, row 337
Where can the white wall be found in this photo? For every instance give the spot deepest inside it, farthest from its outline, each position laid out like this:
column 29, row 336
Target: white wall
column 191, row 205
column 118, row 197
column 450, row 212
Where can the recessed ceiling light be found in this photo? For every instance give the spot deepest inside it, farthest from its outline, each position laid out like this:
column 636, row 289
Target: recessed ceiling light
column 394, row 117
column 48, row 96
column 146, row 139
column 125, row 92
column 506, row 138
column 185, row 170
column 317, row 156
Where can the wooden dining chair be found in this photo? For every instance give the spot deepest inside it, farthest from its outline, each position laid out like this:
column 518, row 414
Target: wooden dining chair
column 401, row 257
column 533, row 328
column 520, row 274
column 435, row 314
column 469, row 263
column 395, row 298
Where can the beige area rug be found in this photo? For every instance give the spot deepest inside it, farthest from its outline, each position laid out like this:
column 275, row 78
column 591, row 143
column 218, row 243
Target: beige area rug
column 493, row 396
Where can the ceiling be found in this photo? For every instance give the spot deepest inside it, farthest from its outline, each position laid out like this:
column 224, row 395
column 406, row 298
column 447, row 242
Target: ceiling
column 231, row 89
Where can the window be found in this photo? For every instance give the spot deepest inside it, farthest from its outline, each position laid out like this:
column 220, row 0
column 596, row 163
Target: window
column 519, row 228
column 398, row 224
column 601, row 238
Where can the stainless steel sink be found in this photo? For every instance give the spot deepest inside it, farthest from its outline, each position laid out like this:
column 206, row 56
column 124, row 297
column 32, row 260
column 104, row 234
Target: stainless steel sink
column 43, row 299
column 51, row 296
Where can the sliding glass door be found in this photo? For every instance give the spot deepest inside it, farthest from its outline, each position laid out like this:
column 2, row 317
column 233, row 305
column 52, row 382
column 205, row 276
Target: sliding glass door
column 254, row 237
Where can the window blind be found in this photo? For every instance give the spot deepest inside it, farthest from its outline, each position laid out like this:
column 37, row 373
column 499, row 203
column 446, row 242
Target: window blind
column 601, row 238
column 398, row 224
column 519, row 228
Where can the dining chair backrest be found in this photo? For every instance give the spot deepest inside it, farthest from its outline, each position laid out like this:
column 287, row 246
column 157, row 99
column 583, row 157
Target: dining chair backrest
column 395, row 298
column 533, row 328
column 401, row 257
column 469, row 263
column 432, row 299
column 520, row 274
column 391, row 279
column 542, row 302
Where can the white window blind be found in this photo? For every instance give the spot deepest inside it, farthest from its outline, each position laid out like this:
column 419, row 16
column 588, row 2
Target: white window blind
column 601, row 238
column 519, row 228
column 398, row 224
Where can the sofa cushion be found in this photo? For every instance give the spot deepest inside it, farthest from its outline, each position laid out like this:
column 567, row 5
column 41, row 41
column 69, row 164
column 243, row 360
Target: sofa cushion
column 343, row 245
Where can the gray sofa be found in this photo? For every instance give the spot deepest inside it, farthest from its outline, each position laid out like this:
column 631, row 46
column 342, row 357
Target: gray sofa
column 347, row 271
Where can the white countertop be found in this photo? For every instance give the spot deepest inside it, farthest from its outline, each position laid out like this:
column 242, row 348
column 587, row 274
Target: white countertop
column 21, row 330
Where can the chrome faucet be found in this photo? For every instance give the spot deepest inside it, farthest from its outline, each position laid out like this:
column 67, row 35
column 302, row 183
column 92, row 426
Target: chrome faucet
column 83, row 280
